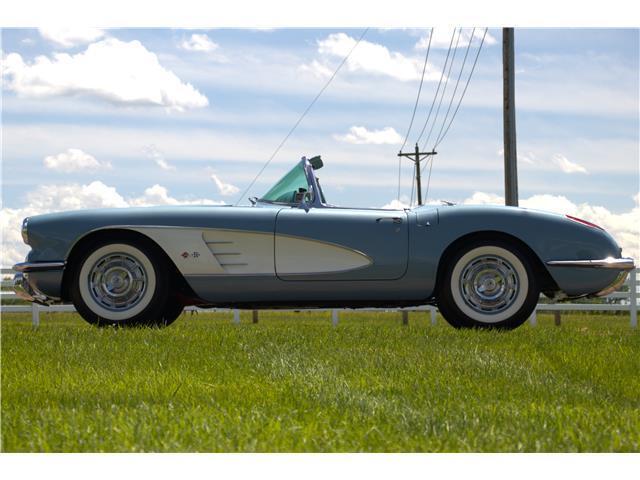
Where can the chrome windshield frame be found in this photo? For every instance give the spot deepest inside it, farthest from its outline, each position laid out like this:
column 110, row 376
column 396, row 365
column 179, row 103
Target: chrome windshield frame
column 313, row 186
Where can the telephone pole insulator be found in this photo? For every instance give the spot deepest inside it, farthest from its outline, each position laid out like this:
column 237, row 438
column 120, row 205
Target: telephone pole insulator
column 417, row 157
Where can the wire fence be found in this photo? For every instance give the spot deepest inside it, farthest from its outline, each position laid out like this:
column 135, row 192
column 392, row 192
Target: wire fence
column 623, row 300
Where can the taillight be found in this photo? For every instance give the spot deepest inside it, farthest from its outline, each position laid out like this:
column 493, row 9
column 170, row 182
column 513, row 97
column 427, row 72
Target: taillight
column 584, row 222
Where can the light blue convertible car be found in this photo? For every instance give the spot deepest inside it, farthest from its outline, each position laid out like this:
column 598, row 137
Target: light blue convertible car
column 483, row 266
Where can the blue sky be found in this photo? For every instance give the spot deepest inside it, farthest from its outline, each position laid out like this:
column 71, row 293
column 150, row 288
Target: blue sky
column 171, row 116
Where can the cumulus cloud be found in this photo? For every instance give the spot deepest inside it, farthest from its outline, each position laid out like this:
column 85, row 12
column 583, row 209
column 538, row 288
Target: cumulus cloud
column 52, row 198
column 199, row 43
column 156, row 155
column 123, row 73
column 360, row 135
column 317, row 69
column 74, row 160
column 396, row 204
column 566, row 165
column 625, row 227
column 224, row 188
column 159, row 195
column 442, row 38
column 68, row 37
column 371, row 58
column 556, row 161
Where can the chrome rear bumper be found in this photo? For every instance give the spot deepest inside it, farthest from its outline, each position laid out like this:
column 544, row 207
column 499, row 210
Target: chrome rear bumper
column 622, row 264
column 616, row 263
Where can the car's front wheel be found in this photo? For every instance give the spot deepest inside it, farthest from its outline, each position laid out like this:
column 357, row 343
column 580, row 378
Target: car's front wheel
column 488, row 284
column 120, row 283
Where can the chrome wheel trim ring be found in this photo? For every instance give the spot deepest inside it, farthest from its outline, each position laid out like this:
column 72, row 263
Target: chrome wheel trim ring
column 117, row 281
column 489, row 284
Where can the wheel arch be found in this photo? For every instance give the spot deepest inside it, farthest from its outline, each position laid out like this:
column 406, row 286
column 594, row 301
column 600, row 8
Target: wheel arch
column 544, row 278
column 83, row 244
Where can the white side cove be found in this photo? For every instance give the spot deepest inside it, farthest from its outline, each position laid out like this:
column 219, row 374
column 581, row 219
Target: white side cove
column 299, row 256
column 198, row 251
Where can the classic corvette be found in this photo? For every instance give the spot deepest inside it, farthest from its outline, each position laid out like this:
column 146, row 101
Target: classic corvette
column 483, row 266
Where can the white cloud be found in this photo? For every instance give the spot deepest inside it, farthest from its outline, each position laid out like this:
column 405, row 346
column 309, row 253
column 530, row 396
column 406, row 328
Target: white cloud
column 523, row 157
column 51, row 198
column 156, row 155
column 317, row 69
column 199, row 43
column 396, row 204
column 442, row 38
column 360, row 135
column 68, row 37
column 159, row 195
column 566, row 165
column 625, row 227
column 556, row 160
column 74, row 160
column 224, row 188
column 370, row 57
column 119, row 72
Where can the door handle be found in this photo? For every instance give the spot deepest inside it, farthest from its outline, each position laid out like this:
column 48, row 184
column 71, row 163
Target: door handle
column 390, row 219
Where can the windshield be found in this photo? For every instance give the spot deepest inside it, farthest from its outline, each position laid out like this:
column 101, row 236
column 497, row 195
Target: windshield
column 289, row 186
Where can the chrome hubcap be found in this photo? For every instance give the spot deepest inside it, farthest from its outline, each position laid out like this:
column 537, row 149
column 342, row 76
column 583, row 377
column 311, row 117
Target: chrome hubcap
column 489, row 284
column 117, row 281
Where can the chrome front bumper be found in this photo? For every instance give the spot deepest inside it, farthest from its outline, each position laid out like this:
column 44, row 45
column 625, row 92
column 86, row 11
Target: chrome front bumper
column 622, row 264
column 25, row 290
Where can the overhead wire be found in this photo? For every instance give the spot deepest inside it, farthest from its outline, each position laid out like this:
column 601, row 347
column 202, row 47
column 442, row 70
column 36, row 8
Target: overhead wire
column 455, row 90
column 464, row 90
column 413, row 115
column 415, row 106
column 315, row 99
column 437, row 89
column 444, row 89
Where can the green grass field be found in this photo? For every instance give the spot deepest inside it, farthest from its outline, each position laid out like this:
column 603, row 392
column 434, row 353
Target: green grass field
column 295, row 383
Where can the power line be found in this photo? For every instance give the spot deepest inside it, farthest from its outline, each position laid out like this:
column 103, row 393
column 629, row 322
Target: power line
column 446, row 61
column 344, row 60
column 415, row 106
column 426, row 193
column 463, row 91
column 444, row 89
column 453, row 95
column 457, row 108
column 413, row 115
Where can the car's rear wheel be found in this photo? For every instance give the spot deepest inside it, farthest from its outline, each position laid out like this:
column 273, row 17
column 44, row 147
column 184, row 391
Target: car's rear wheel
column 488, row 284
column 120, row 283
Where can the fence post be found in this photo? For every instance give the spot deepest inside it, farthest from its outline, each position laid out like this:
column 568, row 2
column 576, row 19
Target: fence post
column 556, row 318
column 255, row 316
column 432, row 311
column 35, row 314
column 633, row 298
column 533, row 319
column 334, row 317
column 236, row 316
column 405, row 317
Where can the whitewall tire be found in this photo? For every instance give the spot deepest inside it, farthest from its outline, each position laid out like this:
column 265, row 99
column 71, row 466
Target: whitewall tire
column 488, row 284
column 121, row 283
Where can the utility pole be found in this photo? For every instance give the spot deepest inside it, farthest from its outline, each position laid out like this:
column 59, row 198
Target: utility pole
column 416, row 159
column 509, row 118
